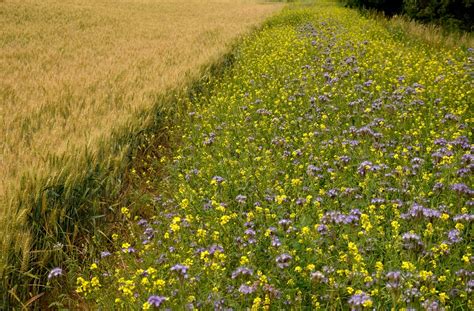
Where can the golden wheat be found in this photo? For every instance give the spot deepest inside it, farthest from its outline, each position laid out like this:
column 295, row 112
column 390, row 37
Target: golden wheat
column 74, row 71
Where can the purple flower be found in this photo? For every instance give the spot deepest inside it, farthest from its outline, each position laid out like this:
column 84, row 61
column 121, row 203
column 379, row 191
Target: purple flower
column 105, row 254
column 241, row 199
column 410, row 294
column 464, row 274
column 337, row 217
column 129, row 250
column 318, row 277
column 250, row 232
column 432, row 305
column 368, row 83
column 419, row 211
column 241, row 271
column 470, row 286
column 464, row 217
column 263, row 112
column 215, row 248
column 313, row 170
column 462, row 189
column 245, row 289
column 149, row 232
column 412, row 241
column 142, row 222
column 438, row 186
column 332, row 193
column 364, row 167
column 283, row 261
column 300, row 201
column 218, row 179
column 393, row 278
column 322, row 229
column 467, row 158
column 377, row 201
column 357, row 301
column 285, row 223
column 454, row 236
column 275, row 293
column 182, row 269
column 344, row 159
column 276, row 241
column 55, row 273
column 156, row 301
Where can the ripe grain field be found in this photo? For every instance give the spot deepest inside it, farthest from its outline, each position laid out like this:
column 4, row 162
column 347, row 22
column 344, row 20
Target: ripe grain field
column 76, row 77
column 330, row 168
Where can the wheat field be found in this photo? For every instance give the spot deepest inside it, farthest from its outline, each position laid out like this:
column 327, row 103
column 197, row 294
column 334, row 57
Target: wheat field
column 75, row 71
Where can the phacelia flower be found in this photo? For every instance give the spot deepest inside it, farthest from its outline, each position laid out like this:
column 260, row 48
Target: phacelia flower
column 156, row 301
column 55, row 273
column 283, row 260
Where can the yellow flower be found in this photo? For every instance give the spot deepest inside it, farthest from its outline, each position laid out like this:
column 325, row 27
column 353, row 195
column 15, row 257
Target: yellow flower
column 379, row 266
column 444, row 247
column 244, row 260
column 424, row 275
column 83, row 285
column 305, row 230
column 184, row 203
column 95, row 282
column 125, row 211
column 159, row 284
column 174, row 227
column 256, row 303
column 368, row 303
column 201, row 233
column 443, row 297
column 296, row 182
column 280, row 198
column 225, row 219
column 406, row 265
column 145, row 281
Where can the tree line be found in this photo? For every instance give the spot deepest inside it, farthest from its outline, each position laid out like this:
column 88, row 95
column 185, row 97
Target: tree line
column 452, row 14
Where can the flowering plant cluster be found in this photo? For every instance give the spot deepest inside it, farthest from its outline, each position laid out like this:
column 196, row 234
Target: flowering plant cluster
column 330, row 167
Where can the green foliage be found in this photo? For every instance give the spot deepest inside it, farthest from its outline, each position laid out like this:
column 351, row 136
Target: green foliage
column 453, row 14
column 388, row 6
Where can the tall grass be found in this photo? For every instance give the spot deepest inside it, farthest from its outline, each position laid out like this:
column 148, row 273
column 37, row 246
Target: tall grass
column 80, row 81
column 431, row 33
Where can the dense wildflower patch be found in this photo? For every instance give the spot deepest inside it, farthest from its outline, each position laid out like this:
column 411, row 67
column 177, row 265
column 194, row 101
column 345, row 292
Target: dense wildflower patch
column 331, row 167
